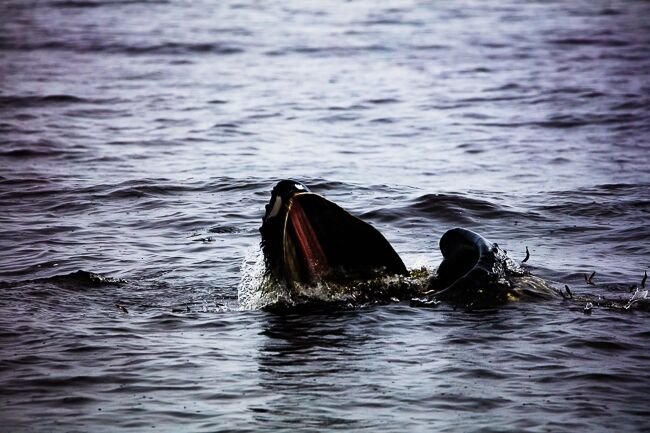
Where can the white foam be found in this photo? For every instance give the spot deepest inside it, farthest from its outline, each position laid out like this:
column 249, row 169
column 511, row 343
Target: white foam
column 255, row 289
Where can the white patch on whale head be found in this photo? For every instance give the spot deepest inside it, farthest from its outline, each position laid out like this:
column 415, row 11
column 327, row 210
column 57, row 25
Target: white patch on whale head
column 277, row 204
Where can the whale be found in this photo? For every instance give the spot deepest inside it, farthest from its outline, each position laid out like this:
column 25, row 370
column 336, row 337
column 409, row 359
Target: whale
column 319, row 252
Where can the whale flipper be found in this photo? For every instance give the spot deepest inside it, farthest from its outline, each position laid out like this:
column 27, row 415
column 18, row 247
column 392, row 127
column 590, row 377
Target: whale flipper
column 476, row 272
column 467, row 256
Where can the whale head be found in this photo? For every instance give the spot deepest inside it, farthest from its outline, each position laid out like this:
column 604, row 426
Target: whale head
column 307, row 238
column 280, row 198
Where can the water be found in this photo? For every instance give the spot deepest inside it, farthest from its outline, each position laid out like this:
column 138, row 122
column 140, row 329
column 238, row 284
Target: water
column 140, row 141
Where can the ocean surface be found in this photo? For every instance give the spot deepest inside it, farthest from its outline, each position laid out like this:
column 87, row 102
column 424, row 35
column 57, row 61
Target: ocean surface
column 139, row 142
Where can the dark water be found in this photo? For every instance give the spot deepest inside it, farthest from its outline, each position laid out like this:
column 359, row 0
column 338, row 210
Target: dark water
column 140, row 140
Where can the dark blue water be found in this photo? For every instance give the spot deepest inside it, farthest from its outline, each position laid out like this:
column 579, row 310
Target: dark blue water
column 139, row 140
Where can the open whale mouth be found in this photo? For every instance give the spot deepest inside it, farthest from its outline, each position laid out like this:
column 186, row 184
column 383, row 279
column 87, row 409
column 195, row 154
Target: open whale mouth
column 307, row 239
column 303, row 248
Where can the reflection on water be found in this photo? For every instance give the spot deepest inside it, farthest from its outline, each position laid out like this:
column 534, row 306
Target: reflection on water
column 305, row 362
column 447, row 370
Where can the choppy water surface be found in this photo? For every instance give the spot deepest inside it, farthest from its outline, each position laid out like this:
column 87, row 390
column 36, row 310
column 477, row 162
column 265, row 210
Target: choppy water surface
column 140, row 140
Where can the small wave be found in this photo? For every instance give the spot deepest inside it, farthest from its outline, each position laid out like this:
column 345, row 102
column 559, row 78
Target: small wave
column 573, row 91
column 79, row 4
column 615, row 187
column 176, row 48
column 590, row 41
column 428, row 47
column 326, row 51
column 383, row 101
column 168, row 48
column 632, row 105
column 16, row 101
column 29, row 153
column 79, row 280
column 434, row 204
column 602, row 210
column 507, row 86
column 149, row 187
column 390, row 22
column 160, row 187
column 570, row 121
column 492, row 99
column 25, row 181
column 34, row 149
column 129, row 190
column 614, row 200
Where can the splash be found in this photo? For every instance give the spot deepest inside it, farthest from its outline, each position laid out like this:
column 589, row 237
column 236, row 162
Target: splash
column 638, row 297
column 258, row 290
